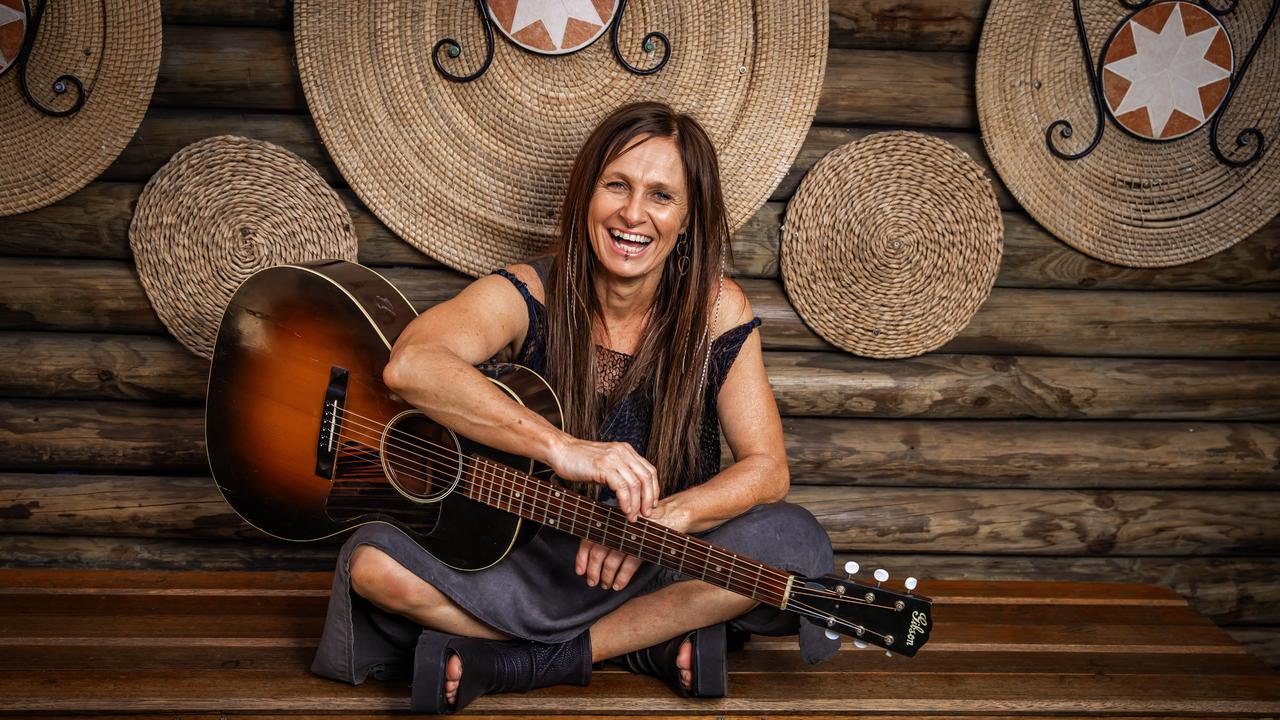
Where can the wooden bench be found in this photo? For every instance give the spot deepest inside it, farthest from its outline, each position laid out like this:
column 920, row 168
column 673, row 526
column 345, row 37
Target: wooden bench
column 79, row 642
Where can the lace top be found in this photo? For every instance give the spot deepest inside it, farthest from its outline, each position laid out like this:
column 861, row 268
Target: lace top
column 630, row 418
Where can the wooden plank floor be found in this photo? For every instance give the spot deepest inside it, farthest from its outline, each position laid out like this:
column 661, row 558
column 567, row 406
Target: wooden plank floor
column 203, row 643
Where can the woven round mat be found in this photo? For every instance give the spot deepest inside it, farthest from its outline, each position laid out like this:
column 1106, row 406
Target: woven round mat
column 114, row 48
column 1131, row 201
column 474, row 173
column 891, row 244
column 220, row 210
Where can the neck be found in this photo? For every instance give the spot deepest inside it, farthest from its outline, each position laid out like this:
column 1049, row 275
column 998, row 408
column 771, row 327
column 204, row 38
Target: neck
column 625, row 302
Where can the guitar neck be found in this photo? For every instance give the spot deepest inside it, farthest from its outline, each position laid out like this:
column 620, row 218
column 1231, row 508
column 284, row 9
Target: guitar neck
column 505, row 488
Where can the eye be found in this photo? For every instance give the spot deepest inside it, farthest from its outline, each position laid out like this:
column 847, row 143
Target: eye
column 615, row 185
column 662, row 196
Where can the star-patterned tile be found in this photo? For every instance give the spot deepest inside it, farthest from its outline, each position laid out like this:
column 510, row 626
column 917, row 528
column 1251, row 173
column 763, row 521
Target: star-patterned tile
column 552, row 27
column 1166, row 70
column 13, row 27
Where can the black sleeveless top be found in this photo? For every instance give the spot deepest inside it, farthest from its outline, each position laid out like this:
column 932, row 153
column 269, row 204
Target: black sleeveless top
column 630, row 419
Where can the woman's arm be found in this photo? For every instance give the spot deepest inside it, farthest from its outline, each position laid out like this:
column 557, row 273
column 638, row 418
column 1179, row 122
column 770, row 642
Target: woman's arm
column 432, row 367
column 749, row 418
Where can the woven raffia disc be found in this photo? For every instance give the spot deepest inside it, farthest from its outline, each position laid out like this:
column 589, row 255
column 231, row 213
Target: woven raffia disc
column 891, row 244
column 1131, row 202
column 113, row 46
column 474, row 173
column 220, row 210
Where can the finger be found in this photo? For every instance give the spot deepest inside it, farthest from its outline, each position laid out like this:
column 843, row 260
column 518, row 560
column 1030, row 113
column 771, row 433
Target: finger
column 648, row 485
column 580, row 562
column 625, row 572
column 610, row 571
column 594, row 562
column 627, row 487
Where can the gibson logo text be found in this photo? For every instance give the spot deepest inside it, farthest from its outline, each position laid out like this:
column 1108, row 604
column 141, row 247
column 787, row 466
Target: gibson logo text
column 918, row 624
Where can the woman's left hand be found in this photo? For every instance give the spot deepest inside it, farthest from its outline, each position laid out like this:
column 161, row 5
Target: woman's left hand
column 613, row 569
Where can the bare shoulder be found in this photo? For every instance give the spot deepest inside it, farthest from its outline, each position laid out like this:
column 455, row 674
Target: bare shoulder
column 735, row 308
column 529, row 277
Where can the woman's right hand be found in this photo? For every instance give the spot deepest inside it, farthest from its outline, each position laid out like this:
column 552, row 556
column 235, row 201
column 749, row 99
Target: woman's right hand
column 631, row 477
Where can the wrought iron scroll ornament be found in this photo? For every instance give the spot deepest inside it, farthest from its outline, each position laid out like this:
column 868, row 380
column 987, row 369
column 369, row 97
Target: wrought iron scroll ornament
column 453, row 49
column 62, row 83
column 1062, row 128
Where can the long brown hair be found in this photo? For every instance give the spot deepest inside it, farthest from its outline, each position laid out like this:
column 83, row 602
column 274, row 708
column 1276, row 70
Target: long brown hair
column 670, row 362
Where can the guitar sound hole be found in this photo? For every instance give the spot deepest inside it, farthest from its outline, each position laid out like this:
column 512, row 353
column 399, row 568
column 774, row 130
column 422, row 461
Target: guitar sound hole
column 421, row 457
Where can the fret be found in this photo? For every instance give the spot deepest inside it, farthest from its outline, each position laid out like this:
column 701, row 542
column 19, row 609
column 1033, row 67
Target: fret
column 756, row 589
column 559, row 521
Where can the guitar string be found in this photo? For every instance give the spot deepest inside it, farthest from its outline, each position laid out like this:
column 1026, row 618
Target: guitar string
column 779, row 576
column 449, row 454
column 797, row 590
column 705, row 549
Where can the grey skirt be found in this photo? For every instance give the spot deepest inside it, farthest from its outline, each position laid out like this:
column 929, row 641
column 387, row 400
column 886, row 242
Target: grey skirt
column 535, row 594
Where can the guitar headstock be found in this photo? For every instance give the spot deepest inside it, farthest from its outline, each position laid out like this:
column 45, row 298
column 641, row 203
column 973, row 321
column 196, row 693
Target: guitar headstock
column 870, row 614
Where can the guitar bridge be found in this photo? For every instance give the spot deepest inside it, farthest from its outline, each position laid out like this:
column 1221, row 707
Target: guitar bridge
column 335, row 396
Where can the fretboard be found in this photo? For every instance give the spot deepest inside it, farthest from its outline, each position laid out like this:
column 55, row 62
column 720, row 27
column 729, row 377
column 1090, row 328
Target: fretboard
column 505, row 488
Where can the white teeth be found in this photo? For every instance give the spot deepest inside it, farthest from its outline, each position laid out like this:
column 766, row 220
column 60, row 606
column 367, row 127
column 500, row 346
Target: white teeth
column 631, row 237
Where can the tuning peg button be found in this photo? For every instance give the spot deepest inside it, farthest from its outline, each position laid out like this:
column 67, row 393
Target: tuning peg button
column 851, row 567
column 859, row 644
column 831, row 635
column 881, row 575
column 911, row 584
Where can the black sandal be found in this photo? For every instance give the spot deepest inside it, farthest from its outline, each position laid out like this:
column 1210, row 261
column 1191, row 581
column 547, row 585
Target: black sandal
column 709, row 665
column 492, row 666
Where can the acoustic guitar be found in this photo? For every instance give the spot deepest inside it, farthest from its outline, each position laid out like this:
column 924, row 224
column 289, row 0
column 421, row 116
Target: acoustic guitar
column 306, row 442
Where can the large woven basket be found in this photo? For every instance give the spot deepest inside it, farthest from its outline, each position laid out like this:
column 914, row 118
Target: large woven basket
column 474, row 173
column 220, row 210
column 1131, row 201
column 891, row 244
column 113, row 47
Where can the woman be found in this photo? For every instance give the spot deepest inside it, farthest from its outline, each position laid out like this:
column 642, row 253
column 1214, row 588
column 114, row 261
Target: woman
column 651, row 351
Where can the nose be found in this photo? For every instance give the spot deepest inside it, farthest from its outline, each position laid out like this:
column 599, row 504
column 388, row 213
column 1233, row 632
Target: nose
column 631, row 213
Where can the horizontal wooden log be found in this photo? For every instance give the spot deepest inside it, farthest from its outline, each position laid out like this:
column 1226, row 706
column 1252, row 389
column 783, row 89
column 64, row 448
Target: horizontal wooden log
column 1046, row 522
column 252, row 69
column 53, row 435
column 898, row 88
column 34, row 293
column 1026, row 453
column 878, row 24
column 165, row 131
column 936, row 386
column 105, row 367
column 243, row 68
column 1228, row 590
column 907, row 24
column 971, row 386
column 94, row 222
column 43, row 434
column 869, row 520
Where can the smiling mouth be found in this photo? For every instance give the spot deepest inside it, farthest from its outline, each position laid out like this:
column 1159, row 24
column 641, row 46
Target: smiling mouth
column 630, row 244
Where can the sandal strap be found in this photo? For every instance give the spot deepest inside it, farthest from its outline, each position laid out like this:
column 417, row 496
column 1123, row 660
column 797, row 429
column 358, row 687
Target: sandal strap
column 490, row 666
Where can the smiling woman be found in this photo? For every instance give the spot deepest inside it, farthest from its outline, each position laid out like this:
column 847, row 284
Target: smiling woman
column 652, row 352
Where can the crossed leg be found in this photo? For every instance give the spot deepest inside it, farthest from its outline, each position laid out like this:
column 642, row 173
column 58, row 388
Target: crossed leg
column 640, row 622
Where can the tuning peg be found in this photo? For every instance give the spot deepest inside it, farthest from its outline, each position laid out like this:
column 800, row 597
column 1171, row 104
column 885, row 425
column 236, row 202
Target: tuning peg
column 851, row 567
column 859, row 644
column 911, row 584
column 831, row 634
column 888, row 654
column 881, row 575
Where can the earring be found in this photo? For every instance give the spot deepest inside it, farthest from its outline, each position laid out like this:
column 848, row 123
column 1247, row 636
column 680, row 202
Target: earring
column 682, row 254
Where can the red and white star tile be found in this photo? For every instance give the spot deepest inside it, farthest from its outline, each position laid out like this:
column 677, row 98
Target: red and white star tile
column 1166, row 70
column 552, row 27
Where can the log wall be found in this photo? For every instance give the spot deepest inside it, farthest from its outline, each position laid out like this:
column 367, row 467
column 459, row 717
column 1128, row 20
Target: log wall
column 1092, row 423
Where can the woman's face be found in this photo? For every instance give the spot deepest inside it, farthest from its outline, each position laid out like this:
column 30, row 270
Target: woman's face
column 638, row 208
